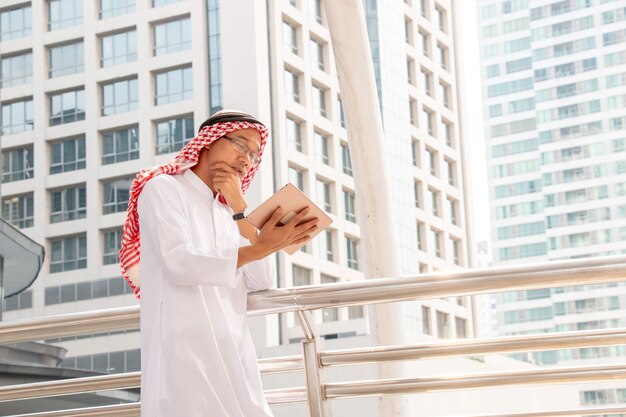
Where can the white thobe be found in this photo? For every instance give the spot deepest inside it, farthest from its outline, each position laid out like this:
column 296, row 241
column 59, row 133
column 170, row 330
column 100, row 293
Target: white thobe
column 197, row 355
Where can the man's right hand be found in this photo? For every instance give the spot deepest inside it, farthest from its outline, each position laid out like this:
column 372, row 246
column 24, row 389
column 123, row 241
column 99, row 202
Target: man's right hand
column 274, row 236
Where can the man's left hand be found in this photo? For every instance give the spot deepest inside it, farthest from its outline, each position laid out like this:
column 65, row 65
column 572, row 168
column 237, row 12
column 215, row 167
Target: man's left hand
column 227, row 182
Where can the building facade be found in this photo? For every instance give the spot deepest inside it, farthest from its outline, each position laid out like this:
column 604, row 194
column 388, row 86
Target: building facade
column 554, row 91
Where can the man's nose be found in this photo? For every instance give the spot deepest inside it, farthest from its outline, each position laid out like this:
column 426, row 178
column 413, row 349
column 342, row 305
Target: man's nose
column 245, row 159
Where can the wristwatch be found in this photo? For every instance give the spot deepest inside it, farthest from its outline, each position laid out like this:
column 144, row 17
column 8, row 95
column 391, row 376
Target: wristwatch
column 241, row 215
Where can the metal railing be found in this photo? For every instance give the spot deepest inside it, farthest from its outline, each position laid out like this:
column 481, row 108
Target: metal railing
column 317, row 392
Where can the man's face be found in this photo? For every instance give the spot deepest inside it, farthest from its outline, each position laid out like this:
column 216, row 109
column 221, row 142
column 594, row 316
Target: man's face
column 223, row 150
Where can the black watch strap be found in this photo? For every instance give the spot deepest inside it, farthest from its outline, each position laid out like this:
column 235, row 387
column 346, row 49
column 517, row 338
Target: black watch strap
column 240, row 216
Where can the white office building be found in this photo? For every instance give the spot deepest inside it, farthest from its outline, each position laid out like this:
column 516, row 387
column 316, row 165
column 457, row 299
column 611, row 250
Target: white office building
column 554, row 87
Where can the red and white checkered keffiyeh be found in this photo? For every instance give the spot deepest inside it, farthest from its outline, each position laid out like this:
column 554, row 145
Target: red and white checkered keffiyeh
column 186, row 158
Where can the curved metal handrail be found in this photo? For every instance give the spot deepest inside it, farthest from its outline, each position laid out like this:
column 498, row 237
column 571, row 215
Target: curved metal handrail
column 301, row 299
column 342, row 294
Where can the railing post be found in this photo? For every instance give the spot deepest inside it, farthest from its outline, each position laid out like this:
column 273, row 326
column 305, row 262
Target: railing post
column 311, row 344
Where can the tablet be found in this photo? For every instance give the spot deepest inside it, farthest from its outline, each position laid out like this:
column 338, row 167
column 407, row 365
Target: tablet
column 292, row 200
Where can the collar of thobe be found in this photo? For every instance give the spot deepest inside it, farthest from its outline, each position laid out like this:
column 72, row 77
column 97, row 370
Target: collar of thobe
column 199, row 185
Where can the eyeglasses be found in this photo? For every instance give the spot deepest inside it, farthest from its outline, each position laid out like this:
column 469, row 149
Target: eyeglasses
column 241, row 147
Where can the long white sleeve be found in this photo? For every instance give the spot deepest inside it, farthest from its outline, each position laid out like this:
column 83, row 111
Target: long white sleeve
column 164, row 222
column 257, row 275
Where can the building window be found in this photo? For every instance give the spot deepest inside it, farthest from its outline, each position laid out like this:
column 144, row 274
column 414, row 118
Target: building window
column 67, row 155
column 323, row 195
column 441, row 18
column 453, row 210
column 432, row 161
column 112, row 246
column 446, row 129
column 461, row 327
column 15, row 23
column 315, row 10
column 292, row 85
column 16, row 69
column 173, row 85
column 216, row 99
column 19, row 301
column 172, row 36
column 436, row 242
column 410, row 70
column 346, row 163
column 296, row 177
column 68, row 253
column 120, row 145
column 355, row 312
column 415, row 153
column 326, row 245
column 425, row 37
column 158, row 3
column 17, row 164
column 443, row 325
column 301, row 276
column 317, row 54
column 329, row 314
column 424, row 8
column 116, row 193
column 413, row 112
column 118, row 48
column 173, row 134
column 68, row 204
column 450, row 171
column 321, row 148
column 443, row 56
column 342, row 117
column 428, row 80
column 17, row 117
column 18, row 210
column 420, row 238
column 408, row 31
column 294, row 134
column 417, row 193
column 290, row 37
column 119, row 97
column 64, row 13
column 318, row 97
column 65, row 59
column 351, row 253
column 349, row 205
column 434, row 198
column 108, row 362
column 112, row 8
column 86, row 290
column 426, row 326
column 67, row 107
column 454, row 246
column 429, row 118
column 445, row 96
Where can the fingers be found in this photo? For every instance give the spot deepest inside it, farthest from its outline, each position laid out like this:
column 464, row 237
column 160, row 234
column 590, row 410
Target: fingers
column 295, row 220
column 302, row 237
column 233, row 176
column 275, row 219
column 306, row 226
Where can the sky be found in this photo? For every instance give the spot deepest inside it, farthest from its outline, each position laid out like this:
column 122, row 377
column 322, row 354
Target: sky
column 473, row 117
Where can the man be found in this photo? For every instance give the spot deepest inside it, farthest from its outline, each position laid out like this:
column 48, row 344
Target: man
column 199, row 259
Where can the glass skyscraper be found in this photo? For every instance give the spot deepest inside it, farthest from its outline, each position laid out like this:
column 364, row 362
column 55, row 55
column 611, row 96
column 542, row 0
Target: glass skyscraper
column 554, row 87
